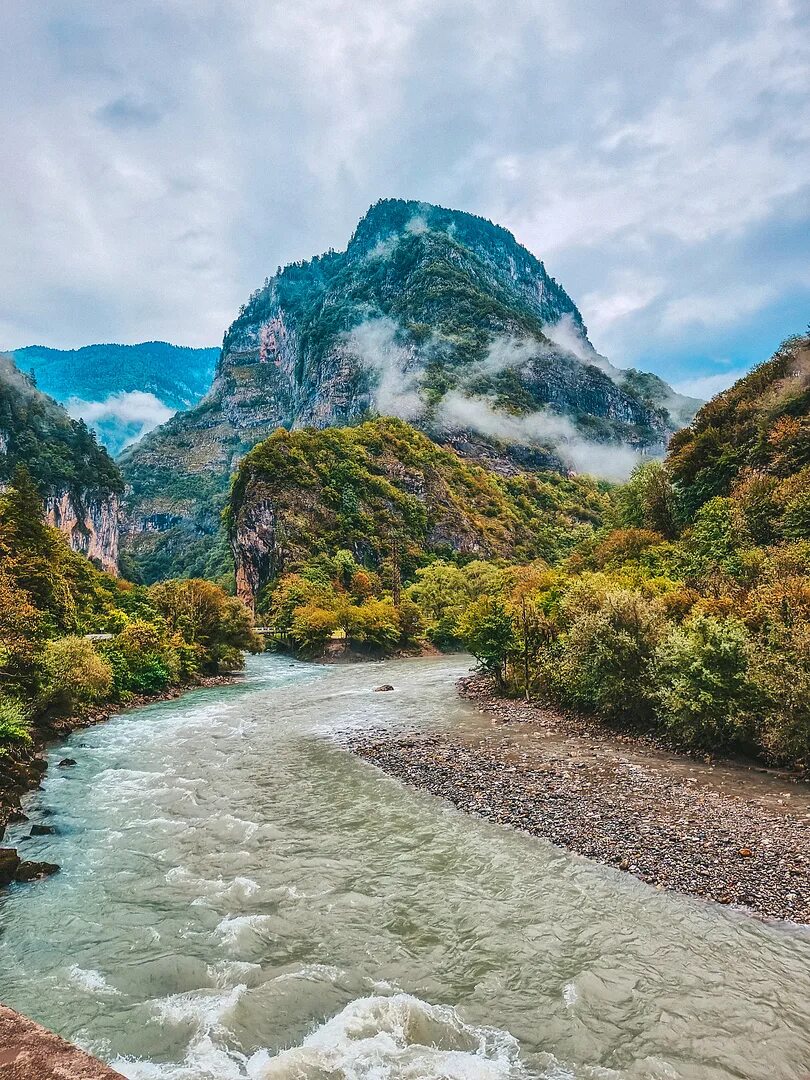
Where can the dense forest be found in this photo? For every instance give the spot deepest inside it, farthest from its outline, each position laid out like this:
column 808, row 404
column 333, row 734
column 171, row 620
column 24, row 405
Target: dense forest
column 60, row 453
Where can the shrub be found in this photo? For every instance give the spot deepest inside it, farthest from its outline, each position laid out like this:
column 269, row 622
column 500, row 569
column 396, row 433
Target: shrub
column 76, row 675
column 603, row 662
column 704, row 689
column 14, row 730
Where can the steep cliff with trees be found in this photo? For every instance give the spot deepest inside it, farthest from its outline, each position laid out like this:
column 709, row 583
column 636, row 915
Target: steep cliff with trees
column 80, row 484
column 393, row 499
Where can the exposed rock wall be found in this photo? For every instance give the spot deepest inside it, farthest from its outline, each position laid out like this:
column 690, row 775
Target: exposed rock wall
column 89, row 520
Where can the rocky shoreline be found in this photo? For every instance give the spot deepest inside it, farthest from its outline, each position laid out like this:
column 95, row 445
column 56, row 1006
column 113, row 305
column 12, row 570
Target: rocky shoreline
column 732, row 833
column 22, row 771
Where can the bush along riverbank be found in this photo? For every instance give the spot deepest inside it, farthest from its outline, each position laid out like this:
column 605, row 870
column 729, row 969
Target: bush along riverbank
column 76, row 643
column 732, row 834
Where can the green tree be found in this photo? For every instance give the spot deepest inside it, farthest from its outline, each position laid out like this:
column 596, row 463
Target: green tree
column 486, row 628
column 14, row 726
column 216, row 625
column 312, row 626
column 603, row 661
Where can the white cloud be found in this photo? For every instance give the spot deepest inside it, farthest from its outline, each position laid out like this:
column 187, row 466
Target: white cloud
column 128, row 415
column 651, row 154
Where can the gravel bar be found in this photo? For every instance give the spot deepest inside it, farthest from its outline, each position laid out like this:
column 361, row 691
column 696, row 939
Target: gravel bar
column 735, row 834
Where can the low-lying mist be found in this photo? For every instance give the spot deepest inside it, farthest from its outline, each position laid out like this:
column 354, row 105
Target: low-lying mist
column 397, row 373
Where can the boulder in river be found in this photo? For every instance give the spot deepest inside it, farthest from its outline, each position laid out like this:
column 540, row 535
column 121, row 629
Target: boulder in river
column 42, row 830
column 32, row 871
column 65, row 762
column 382, row 689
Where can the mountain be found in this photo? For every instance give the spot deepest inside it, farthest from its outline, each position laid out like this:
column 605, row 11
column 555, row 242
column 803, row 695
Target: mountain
column 122, row 391
column 753, row 442
column 382, row 487
column 80, row 483
column 433, row 315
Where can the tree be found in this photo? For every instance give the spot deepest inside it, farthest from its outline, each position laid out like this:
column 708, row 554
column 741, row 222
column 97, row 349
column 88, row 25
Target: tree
column 29, row 549
column 604, row 659
column 21, row 633
column 441, row 593
column 487, row 630
column 647, row 501
column 312, row 626
column 217, row 625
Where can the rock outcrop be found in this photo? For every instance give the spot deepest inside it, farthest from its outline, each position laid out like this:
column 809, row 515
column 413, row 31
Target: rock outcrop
column 29, row 1052
column 89, row 519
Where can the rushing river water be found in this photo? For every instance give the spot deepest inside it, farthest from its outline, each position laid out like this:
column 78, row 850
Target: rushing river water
column 241, row 897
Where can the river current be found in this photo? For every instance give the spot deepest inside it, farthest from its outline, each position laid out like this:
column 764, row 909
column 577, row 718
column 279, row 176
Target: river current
column 241, row 897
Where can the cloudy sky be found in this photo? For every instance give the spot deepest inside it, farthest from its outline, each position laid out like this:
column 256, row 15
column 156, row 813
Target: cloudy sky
column 161, row 157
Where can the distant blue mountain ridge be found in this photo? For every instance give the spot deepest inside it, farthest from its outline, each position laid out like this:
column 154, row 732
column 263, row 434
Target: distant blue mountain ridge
column 121, row 391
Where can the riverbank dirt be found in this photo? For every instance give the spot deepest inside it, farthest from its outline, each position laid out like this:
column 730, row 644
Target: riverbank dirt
column 730, row 833
column 22, row 770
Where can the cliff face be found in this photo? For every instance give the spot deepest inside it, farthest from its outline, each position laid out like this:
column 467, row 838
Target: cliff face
column 89, row 520
column 432, row 315
column 80, row 484
column 387, row 492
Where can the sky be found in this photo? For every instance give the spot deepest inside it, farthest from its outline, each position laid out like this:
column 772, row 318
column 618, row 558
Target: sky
column 160, row 158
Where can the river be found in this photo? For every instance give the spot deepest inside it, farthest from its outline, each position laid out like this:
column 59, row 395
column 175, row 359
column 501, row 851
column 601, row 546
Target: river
column 241, row 897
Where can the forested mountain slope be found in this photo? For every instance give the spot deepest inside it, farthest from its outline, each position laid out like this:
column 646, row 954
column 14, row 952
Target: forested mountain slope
column 78, row 480
column 121, row 390
column 396, row 501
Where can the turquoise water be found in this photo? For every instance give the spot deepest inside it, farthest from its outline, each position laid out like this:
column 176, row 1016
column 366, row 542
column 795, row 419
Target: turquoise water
column 240, row 897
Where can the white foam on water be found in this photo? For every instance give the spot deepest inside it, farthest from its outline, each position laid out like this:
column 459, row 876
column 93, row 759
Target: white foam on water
column 395, row 1038
column 570, row 995
column 204, row 1061
column 373, row 1038
column 313, row 972
column 239, row 930
column 90, row 980
column 225, row 972
column 203, row 1008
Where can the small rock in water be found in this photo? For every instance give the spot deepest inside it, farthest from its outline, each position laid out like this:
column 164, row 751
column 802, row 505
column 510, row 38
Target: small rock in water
column 383, row 688
column 16, row 817
column 42, row 830
column 31, row 871
column 66, row 761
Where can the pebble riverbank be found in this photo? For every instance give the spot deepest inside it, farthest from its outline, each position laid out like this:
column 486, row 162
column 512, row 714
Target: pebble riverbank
column 729, row 833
